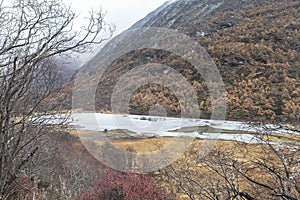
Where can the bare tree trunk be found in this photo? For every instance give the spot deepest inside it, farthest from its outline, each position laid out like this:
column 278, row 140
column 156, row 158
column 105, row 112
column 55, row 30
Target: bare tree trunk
column 33, row 33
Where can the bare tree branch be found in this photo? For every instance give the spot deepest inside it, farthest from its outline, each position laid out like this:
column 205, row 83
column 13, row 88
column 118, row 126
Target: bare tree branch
column 32, row 34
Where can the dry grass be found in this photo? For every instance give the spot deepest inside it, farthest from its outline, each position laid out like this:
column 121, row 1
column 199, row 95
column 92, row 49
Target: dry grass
column 143, row 145
column 238, row 151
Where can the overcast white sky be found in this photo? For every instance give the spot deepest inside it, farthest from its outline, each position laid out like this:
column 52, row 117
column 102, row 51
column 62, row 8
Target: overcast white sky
column 123, row 13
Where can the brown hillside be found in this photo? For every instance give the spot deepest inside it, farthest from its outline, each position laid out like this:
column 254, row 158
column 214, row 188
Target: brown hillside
column 255, row 45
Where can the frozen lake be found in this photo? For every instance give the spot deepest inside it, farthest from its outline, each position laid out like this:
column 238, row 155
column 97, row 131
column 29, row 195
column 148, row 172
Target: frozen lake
column 165, row 126
column 153, row 126
column 146, row 124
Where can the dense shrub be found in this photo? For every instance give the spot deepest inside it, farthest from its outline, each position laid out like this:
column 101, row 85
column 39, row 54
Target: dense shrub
column 115, row 185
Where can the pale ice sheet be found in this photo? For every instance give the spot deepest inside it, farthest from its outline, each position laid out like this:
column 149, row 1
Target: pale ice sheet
column 147, row 124
column 161, row 126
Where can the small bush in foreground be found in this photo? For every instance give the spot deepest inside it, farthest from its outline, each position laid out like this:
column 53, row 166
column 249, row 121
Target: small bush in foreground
column 115, row 185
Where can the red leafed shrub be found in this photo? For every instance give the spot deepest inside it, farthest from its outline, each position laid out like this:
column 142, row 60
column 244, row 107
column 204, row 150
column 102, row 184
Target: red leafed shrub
column 115, row 185
column 22, row 188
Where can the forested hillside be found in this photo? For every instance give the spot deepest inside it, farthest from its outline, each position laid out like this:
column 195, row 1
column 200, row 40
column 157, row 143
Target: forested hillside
column 255, row 45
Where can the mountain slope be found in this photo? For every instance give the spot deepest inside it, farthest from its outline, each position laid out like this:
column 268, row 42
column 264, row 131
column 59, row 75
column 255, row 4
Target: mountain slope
column 255, row 45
